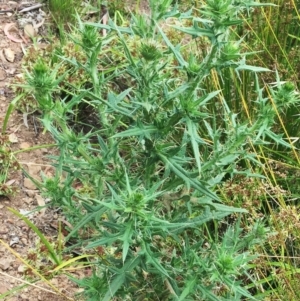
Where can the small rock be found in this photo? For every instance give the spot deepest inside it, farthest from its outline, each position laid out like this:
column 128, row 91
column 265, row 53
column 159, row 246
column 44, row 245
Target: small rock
column 13, row 138
column 27, row 200
column 25, row 229
column 25, row 145
column 15, row 240
column 29, row 184
column 5, row 264
column 21, row 269
column 3, row 230
column 11, row 71
column 34, row 169
column 44, row 150
column 30, row 193
column 24, row 241
column 24, row 297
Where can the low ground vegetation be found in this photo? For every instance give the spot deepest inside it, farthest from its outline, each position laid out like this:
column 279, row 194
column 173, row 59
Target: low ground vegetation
column 178, row 149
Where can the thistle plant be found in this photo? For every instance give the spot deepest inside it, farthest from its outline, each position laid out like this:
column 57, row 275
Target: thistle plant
column 41, row 83
column 144, row 180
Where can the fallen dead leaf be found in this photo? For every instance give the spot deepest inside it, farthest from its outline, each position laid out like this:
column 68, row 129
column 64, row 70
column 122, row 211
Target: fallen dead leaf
column 29, row 31
column 6, row 30
column 41, row 202
column 10, row 182
column 9, row 55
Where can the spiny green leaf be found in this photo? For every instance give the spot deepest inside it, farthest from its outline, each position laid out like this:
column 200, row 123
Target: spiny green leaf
column 127, row 239
column 105, row 240
column 114, row 286
column 150, row 258
column 188, row 289
column 180, row 172
column 84, row 221
column 137, row 131
column 195, row 139
column 175, row 51
column 252, row 68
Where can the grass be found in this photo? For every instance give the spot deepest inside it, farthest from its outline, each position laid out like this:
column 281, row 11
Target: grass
column 177, row 164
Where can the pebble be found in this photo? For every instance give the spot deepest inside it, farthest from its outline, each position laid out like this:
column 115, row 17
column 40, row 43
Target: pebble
column 9, row 54
column 21, row 269
column 15, row 240
column 27, row 200
column 25, row 145
column 44, row 150
column 29, row 184
column 3, row 230
column 30, row 193
column 24, row 241
column 24, row 297
column 34, row 169
column 25, row 229
column 5, row 264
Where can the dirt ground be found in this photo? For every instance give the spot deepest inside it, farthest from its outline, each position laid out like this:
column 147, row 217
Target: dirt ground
column 16, row 238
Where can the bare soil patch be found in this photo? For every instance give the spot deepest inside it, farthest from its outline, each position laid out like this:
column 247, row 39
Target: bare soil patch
column 16, row 31
column 13, row 232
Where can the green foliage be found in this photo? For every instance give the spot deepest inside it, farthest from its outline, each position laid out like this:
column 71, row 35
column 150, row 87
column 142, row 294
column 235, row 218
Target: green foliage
column 149, row 138
column 63, row 11
column 8, row 161
column 9, row 165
